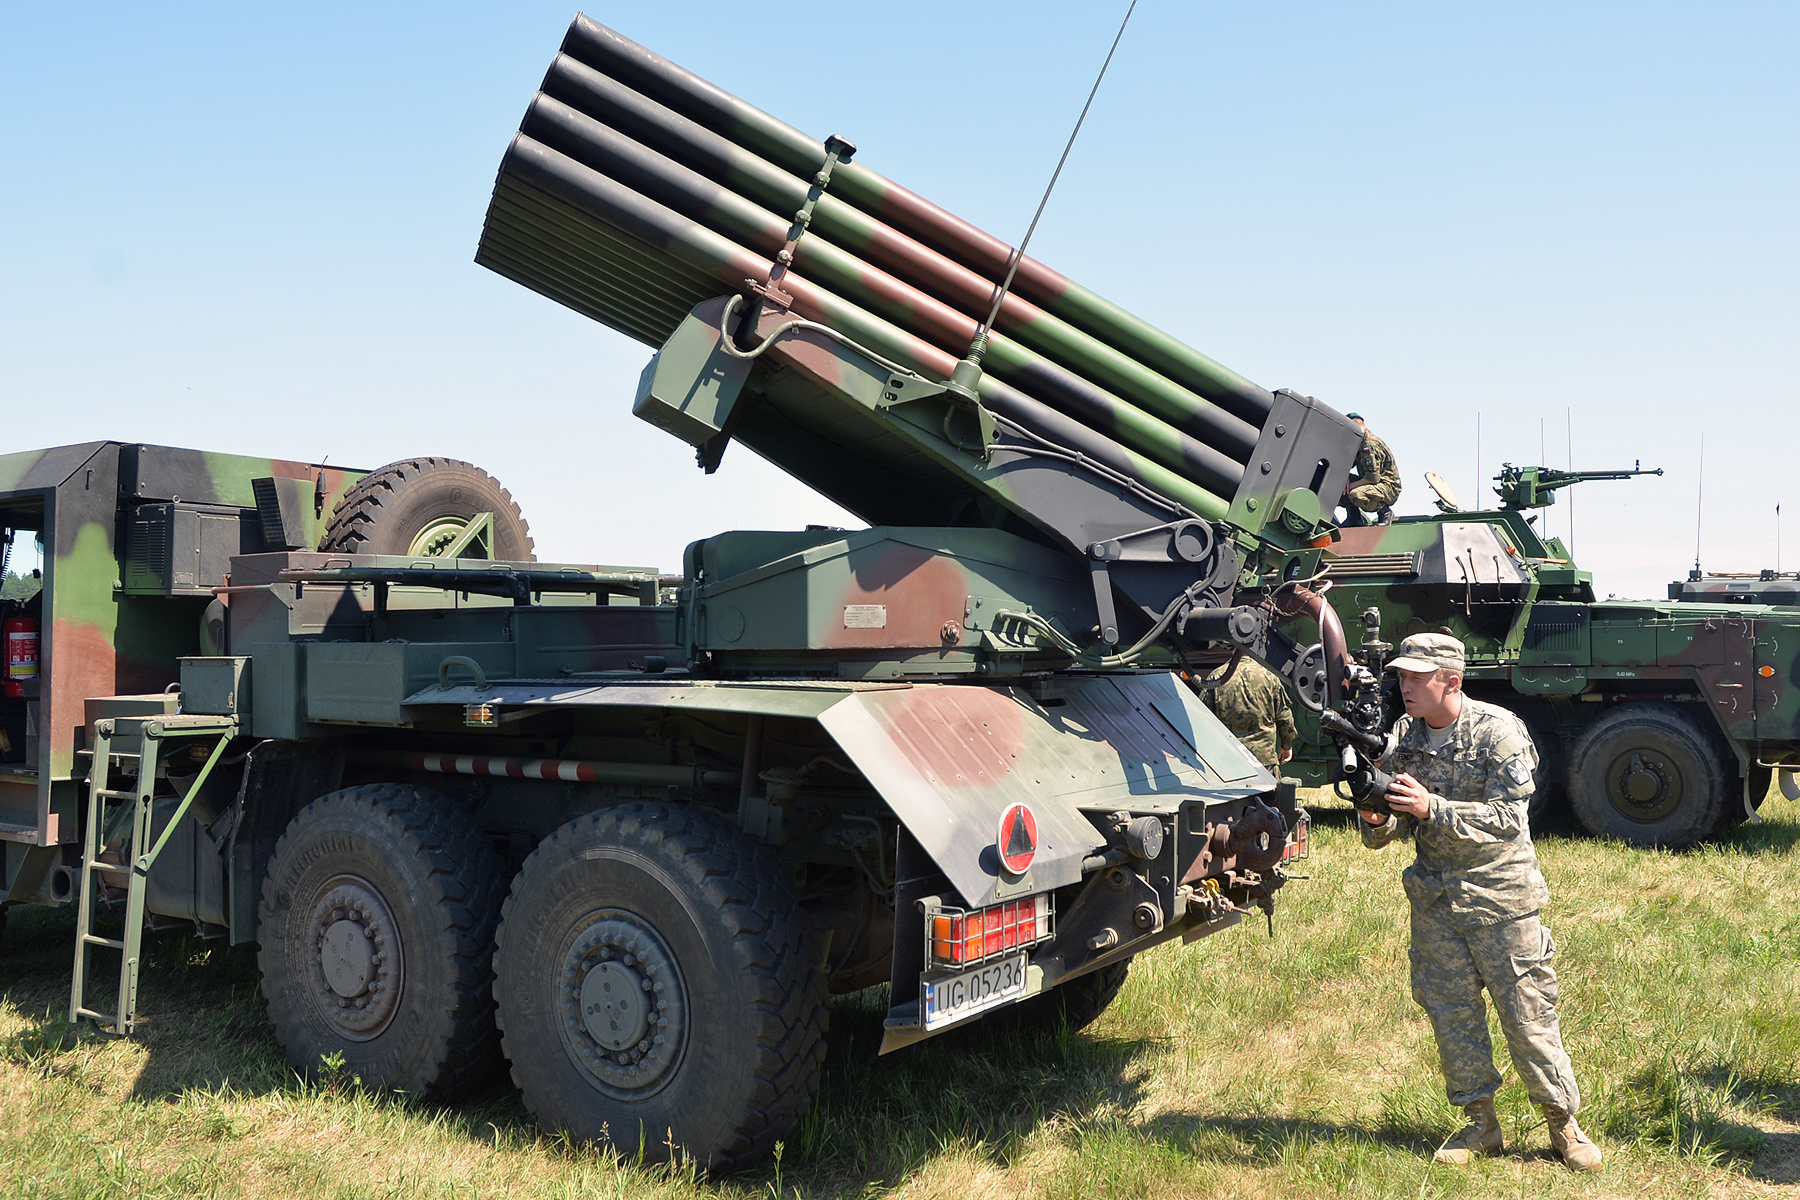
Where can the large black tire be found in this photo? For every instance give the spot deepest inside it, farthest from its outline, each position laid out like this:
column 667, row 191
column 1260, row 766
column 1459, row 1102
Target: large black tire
column 1653, row 775
column 676, row 905
column 1549, row 794
column 377, row 930
column 1072, row 1006
column 416, row 507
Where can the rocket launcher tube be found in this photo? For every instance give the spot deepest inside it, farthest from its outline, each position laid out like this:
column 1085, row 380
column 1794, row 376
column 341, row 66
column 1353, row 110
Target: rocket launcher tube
column 716, row 109
column 601, row 148
column 702, row 253
column 613, row 105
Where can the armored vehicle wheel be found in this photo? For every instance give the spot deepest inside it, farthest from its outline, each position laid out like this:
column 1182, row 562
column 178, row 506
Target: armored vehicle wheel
column 1651, row 775
column 658, row 987
column 1548, row 794
column 419, row 508
column 1073, row 1006
column 377, row 930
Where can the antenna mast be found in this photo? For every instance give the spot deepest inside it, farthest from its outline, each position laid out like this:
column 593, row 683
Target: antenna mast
column 1699, row 504
column 1569, row 433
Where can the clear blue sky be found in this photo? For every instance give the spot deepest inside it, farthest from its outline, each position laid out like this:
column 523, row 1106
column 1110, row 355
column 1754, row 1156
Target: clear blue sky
column 251, row 228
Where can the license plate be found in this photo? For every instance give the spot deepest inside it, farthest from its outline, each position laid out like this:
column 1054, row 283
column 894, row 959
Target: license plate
column 969, row 992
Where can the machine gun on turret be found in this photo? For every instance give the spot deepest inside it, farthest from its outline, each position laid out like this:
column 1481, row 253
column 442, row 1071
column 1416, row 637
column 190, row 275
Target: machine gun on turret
column 1535, row 487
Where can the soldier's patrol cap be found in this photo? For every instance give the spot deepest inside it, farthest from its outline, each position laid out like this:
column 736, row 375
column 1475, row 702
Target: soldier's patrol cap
column 1429, row 652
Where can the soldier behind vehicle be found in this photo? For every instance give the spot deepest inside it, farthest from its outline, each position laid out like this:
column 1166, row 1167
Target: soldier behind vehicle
column 1462, row 787
column 1375, row 485
column 1253, row 704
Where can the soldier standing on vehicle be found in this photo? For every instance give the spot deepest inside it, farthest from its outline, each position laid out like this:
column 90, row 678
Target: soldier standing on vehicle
column 1253, row 704
column 1375, row 485
column 1462, row 787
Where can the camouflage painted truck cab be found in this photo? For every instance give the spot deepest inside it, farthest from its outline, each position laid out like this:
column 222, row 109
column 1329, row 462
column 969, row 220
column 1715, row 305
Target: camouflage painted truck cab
column 627, row 830
column 1657, row 723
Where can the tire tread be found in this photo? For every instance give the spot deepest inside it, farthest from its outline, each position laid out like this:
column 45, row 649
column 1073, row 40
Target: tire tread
column 787, row 989
column 466, row 873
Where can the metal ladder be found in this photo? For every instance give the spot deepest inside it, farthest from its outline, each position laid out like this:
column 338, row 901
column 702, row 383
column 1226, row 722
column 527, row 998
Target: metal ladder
column 104, row 805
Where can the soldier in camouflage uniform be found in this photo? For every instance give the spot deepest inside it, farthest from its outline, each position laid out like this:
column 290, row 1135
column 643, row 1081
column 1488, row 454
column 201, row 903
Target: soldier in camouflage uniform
column 1462, row 787
column 1376, row 484
column 1254, row 705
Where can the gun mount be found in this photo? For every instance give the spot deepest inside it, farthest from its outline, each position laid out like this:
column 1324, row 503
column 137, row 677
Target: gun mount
column 1535, row 487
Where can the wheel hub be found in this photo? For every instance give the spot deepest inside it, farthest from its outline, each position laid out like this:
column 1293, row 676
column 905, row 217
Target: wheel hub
column 355, row 964
column 1644, row 785
column 622, row 1004
column 613, row 1006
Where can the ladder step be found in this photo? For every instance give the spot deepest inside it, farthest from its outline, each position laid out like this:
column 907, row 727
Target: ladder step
column 114, row 868
column 107, row 1018
column 94, row 939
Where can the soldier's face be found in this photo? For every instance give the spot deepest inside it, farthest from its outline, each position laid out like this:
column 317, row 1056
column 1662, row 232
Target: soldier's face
column 1423, row 692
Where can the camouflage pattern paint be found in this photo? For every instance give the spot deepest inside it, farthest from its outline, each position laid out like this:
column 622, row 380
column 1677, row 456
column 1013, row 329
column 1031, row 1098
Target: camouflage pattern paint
column 679, row 167
column 691, row 250
column 926, row 291
column 875, row 593
column 954, row 758
column 98, row 642
column 714, row 109
column 1536, row 636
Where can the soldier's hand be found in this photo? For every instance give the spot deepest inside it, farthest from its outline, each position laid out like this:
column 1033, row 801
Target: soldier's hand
column 1407, row 795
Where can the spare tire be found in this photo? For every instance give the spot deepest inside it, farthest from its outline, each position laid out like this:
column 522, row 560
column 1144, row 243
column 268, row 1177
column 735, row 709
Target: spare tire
column 418, row 507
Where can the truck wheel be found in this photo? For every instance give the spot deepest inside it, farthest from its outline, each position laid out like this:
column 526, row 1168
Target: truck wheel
column 1651, row 775
column 377, row 930
column 659, row 987
column 420, row 506
column 1074, row 1005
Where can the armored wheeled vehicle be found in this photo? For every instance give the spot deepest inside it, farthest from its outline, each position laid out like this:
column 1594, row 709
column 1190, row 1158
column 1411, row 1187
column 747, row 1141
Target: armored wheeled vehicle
column 624, row 830
column 1660, row 724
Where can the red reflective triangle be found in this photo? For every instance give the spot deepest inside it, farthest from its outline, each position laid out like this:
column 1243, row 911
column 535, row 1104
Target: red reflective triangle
column 1018, row 839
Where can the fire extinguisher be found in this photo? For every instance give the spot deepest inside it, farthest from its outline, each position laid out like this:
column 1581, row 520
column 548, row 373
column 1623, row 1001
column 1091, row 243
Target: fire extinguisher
column 21, row 636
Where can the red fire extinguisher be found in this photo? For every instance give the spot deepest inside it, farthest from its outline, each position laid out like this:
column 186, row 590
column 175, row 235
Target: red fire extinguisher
column 21, row 655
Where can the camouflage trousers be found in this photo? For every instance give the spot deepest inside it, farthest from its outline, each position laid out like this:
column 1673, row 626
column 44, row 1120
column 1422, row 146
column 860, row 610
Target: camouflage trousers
column 1372, row 497
column 1451, row 963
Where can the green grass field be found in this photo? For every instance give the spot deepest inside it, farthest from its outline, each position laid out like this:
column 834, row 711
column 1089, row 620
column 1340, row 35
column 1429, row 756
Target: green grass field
column 1241, row 1067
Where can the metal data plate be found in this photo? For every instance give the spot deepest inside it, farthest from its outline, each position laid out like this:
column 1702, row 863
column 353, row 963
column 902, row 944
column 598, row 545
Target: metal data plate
column 948, row 1000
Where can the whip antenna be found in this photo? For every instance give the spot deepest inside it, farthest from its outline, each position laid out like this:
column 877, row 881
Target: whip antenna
column 967, row 372
column 1699, row 503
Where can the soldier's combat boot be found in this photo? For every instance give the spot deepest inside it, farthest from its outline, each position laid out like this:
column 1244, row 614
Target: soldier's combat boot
column 1568, row 1140
column 1480, row 1136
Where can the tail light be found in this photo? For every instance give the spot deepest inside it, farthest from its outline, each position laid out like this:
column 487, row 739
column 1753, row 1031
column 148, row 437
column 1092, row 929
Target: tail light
column 963, row 938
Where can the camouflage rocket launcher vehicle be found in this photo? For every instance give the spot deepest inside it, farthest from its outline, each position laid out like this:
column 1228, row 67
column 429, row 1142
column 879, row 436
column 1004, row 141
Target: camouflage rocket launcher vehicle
column 627, row 830
column 1657, row 723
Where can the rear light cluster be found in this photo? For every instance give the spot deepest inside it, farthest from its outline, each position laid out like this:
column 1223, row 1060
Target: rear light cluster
column 963, row 938
column 1297, row 845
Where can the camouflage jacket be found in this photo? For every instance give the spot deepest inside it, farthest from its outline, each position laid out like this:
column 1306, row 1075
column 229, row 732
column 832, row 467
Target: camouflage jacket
column 1254, row 705
column 1376, row 483
column 1475, row 847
